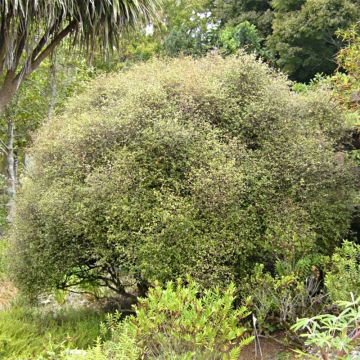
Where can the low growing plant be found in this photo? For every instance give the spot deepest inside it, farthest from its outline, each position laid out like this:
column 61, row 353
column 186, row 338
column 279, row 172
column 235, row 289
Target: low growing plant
column 278, row 299
column 35, row 333
column 344, row 276
column 333, row 335
column 178, row 322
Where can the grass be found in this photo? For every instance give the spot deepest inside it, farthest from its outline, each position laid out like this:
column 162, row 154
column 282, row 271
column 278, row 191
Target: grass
column 27, row 333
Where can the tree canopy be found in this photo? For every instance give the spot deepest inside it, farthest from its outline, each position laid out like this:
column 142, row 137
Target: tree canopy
column 296, row 36
column 304, row 40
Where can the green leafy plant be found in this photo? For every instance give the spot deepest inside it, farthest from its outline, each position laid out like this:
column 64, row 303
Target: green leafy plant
column 29, row 332
column 181, row 167
column 347, row 83
column 277, row 300
column 344, row 275
column 179, row 322
column 333, row 334
column 245, row 35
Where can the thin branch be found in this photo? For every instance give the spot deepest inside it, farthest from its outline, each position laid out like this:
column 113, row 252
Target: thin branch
column 81, row 292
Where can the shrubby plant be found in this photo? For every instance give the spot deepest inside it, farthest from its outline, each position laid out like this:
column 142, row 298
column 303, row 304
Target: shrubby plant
column 184, row 166
column 178, row 322
column 343, row 277
column 278, row 298
column 333, row 335
column 347, row 84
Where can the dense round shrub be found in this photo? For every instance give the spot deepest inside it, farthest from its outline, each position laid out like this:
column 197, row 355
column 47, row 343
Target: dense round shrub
column 199, row 167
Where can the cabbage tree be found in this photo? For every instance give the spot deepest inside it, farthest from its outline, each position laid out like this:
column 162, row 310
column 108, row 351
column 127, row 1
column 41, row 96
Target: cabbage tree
column 31, row 30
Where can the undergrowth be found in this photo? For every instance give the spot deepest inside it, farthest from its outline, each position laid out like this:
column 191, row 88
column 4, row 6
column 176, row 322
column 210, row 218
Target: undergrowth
column 27, row 333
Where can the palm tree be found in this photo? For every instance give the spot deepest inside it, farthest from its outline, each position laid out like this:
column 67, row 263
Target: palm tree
column 30, row 30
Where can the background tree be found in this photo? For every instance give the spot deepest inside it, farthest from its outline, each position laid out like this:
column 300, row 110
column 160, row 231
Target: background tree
column 31, row 30
column 234, row 12
column 304, row 40
column 187, row 27
column 243, row 36
column 301, row 34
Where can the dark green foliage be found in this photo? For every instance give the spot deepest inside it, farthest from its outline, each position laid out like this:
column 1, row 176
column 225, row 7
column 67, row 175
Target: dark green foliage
column 234, row 12
column 179, row 42
column 301, row 34
column 287, row 5
column 181, row 167
column 190, row 28
column 304, row 38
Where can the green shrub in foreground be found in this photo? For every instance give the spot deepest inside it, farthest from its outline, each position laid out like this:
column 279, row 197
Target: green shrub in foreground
column 278, row 299
column 178, row 322
column 200, row 167
column 333, row 336
column 344, row 275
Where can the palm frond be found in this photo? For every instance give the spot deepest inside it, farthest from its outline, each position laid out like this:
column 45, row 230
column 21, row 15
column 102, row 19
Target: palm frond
column 98, row 22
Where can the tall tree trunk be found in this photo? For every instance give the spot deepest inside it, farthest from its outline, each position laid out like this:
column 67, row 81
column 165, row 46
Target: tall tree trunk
column 3, row 102
column 11, row 170
column 7, row 92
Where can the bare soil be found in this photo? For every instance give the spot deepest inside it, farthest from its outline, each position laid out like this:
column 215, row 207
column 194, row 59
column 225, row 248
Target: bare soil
column 271, row 350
